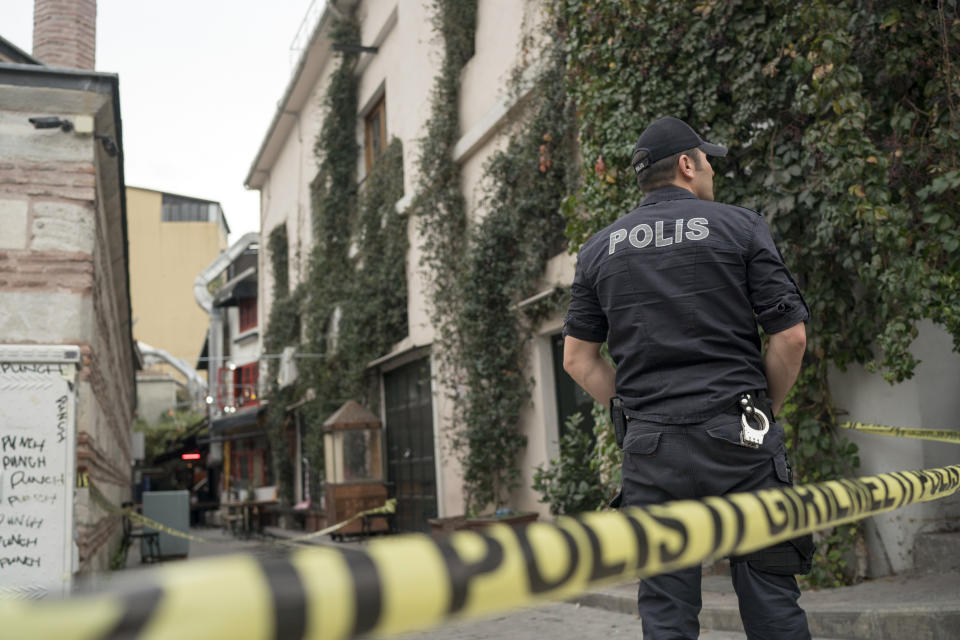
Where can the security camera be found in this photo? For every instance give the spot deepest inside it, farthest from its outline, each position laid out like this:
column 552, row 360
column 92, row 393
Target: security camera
column 51, row 122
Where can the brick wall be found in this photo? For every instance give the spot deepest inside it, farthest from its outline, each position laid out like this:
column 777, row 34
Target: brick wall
column 65, row 33
column 63, row 281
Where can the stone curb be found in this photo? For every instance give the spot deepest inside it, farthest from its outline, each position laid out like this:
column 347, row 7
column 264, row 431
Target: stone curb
column 862, row 620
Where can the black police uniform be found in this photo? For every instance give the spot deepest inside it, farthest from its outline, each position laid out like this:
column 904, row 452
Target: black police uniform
column 676, row 288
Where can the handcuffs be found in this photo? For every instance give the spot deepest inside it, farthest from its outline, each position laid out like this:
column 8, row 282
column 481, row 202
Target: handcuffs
column 749, row 436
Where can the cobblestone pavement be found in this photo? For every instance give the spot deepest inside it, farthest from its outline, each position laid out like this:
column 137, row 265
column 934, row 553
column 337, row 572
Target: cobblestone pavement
column 560, row 621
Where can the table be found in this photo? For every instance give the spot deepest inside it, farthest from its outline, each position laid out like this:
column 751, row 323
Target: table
column 250, row 513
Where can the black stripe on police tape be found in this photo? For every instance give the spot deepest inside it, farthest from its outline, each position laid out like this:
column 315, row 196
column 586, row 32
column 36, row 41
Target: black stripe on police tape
column 596, row 547
column 368, row 593
column 288, row 598
column 137, row 610
column 461, row 572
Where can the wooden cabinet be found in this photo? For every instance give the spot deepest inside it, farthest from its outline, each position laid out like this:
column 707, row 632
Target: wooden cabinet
column 346, row 500
column 354, row 469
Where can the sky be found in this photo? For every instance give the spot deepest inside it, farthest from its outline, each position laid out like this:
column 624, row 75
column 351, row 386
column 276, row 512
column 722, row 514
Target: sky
column 199, row 84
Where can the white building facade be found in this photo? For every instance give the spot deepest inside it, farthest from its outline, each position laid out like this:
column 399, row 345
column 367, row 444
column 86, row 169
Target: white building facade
column 400, row 76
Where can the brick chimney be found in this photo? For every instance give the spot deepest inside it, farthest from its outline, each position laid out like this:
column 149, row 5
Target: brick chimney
column 65, row 33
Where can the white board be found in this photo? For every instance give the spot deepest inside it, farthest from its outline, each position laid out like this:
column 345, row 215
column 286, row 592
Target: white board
column 37, row 468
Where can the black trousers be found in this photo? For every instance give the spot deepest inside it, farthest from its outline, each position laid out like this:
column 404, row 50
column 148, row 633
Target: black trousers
column 664, row 462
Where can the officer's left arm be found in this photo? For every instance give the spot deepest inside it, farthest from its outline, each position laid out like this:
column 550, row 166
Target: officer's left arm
column 774, row 295
column 589, row 369
column 781, row 311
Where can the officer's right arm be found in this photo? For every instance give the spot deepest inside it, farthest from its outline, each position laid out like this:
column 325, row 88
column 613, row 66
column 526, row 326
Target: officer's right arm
column 585, row 330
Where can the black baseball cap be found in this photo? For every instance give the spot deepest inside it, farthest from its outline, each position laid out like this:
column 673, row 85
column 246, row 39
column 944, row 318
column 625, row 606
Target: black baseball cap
column 666, row 137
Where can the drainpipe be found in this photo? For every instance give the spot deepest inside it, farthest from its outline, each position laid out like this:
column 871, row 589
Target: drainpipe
column 195, row 384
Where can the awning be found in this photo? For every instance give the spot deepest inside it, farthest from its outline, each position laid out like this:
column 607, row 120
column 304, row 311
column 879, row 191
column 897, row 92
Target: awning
column 242, row 418
column 188, row 441
column 232, row 436
column 243, row 287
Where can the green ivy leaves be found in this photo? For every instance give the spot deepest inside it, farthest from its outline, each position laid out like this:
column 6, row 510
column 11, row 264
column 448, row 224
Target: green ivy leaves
column 367, row 290
column 478, row 274
column 842, row 122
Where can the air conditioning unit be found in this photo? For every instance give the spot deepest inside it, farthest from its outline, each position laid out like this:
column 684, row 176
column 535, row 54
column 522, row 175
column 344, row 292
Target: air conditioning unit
column 288, row 367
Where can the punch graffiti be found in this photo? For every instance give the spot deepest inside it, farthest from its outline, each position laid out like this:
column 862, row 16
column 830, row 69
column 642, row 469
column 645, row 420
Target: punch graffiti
column 21, row 520
column 24, row 462
column 19, row 443
column 17, row 540
column 39, row 498
column 17, row 367
column 22, row 478
column 61, row 419
column 25, row 561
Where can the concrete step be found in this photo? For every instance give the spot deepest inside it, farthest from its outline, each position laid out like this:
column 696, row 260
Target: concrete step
column 918, row 607
column 937, row 552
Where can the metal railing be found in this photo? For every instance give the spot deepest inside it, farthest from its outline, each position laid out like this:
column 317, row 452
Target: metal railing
column 301, row 40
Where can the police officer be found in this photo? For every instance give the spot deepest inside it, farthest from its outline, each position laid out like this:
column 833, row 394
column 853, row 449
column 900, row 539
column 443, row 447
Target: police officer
column 677, row 288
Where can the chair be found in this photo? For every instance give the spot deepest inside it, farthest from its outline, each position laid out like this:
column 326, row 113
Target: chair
column 151, row 538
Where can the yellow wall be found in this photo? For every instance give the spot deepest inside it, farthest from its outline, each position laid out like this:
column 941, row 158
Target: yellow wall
column 165, row 258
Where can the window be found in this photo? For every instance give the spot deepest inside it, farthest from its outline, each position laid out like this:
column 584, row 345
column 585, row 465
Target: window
column 248, row 314
column 238, row 387
column 249, row 464
column 181, row 209
column 245, row 380
column 223, row 389
column 376, row 132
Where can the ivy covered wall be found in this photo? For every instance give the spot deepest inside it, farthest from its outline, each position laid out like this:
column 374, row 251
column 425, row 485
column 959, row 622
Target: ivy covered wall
column 480, row 272
column 842, row 123
column 351, row 307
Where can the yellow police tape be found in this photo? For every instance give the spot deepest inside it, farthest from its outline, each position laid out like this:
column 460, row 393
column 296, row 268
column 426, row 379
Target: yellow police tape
column 413, row 582
column 940, row 435
column 101, row 500
column 390, row 506
column 83, row 480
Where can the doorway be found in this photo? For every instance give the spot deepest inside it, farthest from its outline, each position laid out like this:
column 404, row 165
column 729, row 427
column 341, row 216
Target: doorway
column 571, row 398
column 411, row 465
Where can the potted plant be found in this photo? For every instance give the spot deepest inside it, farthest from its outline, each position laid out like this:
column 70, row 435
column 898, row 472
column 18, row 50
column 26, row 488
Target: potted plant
column 442, row 527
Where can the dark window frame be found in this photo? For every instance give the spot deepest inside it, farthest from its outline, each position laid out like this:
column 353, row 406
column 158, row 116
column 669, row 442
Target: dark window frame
column 375, row 131
column 182, row 209
column 247, row 310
